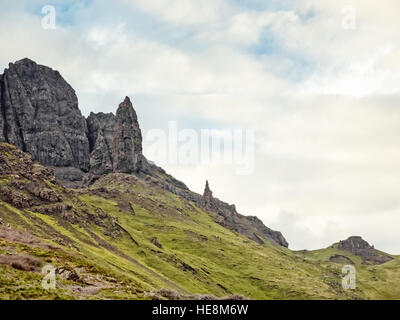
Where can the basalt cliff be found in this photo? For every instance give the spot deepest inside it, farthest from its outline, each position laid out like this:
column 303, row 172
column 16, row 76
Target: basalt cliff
column 40, row 115
column 78, row 196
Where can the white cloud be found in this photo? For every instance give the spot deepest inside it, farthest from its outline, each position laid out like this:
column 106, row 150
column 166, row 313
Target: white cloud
column 182, row 12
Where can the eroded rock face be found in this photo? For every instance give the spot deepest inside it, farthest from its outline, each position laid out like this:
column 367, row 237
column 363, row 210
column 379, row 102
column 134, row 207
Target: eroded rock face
column 115, row 142
column 40, row 115
column 127, row 140
column 27, row 186
column 101, row 132
column 354, row 244
column 363, row 249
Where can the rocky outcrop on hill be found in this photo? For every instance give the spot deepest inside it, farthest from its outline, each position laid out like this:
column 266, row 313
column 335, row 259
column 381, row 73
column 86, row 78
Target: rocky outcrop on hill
column 39, row 114
column 250, row 226
column 208, row 200
column 100, row 134
column 363, row 249
column 115, row 143
column 354, row 244
column 27, row 187
column 127, row 140
column 225, row 214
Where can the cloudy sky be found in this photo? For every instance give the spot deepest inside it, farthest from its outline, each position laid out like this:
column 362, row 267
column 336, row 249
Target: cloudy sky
column 317, row 81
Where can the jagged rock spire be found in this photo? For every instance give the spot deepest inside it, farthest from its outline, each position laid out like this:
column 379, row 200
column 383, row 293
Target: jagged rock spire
column 359, row 247
column 208, row 199
column 127, row 139
column 39, row 114
column 115, row 142
column 207, row 191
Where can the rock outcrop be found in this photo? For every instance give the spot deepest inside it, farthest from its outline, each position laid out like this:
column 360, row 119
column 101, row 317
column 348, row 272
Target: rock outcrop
column 100, row 134
column 354, row 244
column 27, row 187
column 39, row 114
column 208, row 199
column 359, row 247
column 115, row 142
column 127, row 140
column 250, row 226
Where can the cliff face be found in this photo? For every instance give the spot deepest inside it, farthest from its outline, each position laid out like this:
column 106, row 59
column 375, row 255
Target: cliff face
column 359, row 247
column 39, row 114
column 127, row 140
column 100, row 134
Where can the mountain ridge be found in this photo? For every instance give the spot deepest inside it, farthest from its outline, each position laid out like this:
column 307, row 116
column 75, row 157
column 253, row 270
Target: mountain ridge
column 40, row 115
column 132, row 231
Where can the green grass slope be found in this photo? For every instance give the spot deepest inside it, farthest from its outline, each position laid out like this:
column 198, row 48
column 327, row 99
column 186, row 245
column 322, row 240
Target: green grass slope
column 373, row 281
column 127, row 238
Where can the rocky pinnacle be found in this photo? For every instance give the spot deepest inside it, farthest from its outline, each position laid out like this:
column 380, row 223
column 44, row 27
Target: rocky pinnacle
column 39, row 114
column 227, row 216
column 127, row 139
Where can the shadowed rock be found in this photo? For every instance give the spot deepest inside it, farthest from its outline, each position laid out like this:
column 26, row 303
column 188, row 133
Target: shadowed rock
column 363, row 249
column 250, row 226
column 127, row 140
column 40, row 115
column 101, row 131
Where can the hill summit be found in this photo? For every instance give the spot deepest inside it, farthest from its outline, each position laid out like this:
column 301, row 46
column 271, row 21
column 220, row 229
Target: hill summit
column 40, row 115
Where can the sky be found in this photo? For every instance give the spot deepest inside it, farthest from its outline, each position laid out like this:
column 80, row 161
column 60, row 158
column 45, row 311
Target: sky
column 317, row 82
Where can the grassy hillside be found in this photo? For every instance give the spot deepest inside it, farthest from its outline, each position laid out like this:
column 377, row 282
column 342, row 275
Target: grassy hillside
column 374, row 281
column 127, row 238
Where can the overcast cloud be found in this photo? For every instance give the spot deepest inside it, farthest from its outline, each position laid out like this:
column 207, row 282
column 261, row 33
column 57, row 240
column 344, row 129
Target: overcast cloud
column 322, row 98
